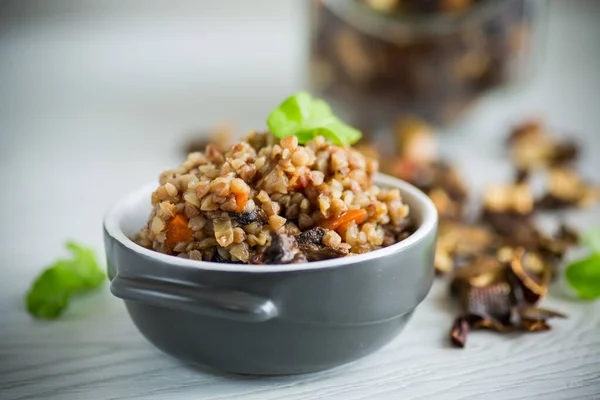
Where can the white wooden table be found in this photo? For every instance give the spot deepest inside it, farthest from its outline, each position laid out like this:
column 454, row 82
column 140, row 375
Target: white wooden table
column 95, row 102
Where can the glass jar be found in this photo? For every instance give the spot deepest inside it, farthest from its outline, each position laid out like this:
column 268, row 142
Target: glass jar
column 375, row 66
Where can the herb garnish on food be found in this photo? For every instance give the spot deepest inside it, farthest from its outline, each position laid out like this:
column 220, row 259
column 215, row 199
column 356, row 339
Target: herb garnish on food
column 584, row 275
column 306, row 117
column 50, row 293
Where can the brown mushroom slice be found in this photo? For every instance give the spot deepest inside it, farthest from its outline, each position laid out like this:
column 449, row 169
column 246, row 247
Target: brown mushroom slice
column 492, row 324
column 564, row 153
column 311, row 236
column 459, row 243
column 557, row 245
column 534, row 326
column 420, row 175
column 459, row 331
column 484, row 294
column 415, row 141
column 281, row 250
column 443, row 262
column 492, row 304
column 567, row 189
column 528, row 287
column 532, row 261
column 514, row 229
column 538, row 314
column 222, row 136
column 473, row 239
column 533, row 146
column 444, row 204
column 532, row 151
column 314, row 252
column 482, row 272
column 528, row 128
column 568, row 234
column 448, row 178
column 517, row 198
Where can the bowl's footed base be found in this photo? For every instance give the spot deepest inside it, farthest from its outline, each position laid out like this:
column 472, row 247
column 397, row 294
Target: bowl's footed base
column 276, row 347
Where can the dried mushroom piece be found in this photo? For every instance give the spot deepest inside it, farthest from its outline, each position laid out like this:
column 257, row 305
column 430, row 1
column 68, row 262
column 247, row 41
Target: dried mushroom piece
column 245, row 218
column 485, row 271
column 543, row 252
column 281, row 250
column 517, row 198
column 534, row 326
column 508, row 210
column 564, row 153
column 501, row 296
column 532, row 146
column 567, row 189
column 354, row 56
column 532, row 261
column 459, row 243
column 538, row 314
column 553, row 248
column 484, row 294
column 312, row 236
column 528, row 286
column 415, row 141
column 492, row 305
column 460, row 330
column 533, row 319
column 317, row 253
column 501, row 264
column 440, row 181
column 420, row 6
column 443, row 261
column 514, row 229
column 222, row 137
column 446, row 205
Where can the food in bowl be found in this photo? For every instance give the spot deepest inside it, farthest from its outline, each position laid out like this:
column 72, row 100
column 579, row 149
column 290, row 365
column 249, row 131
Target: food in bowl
column 270, row 319
column 275, row 319
column 273, row 200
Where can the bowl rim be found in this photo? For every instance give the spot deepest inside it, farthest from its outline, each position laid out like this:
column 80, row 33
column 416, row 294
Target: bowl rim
column 115, row 213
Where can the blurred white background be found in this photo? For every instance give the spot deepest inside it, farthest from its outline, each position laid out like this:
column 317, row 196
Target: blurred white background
column 151, row 59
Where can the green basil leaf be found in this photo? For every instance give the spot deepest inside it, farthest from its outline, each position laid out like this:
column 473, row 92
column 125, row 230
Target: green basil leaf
column 50, row 292
column 591, row 240
column 584, row 277
column 305, row 117
column 86, row 266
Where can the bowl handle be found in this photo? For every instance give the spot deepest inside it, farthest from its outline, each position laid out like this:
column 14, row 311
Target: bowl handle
column 209, row 301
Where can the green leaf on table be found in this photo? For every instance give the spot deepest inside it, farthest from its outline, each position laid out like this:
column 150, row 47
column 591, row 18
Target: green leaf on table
column 591, row 240
column 305, row 117
column 50, row 292
column 584, row 277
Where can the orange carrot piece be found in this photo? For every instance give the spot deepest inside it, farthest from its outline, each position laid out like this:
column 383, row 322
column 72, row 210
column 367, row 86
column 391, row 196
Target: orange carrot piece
column 178, row 231
column 344, row 220
column 241, row 199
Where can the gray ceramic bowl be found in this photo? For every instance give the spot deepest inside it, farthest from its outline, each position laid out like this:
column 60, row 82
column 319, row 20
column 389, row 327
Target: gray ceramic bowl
column 271, row 319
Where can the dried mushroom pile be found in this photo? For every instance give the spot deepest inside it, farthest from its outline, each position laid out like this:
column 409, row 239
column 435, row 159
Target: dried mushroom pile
column 500, row 263
column 420, row 6
column 432, row 58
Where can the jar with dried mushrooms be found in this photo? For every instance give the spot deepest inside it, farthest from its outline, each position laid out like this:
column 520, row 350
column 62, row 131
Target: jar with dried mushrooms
column 377, row 60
